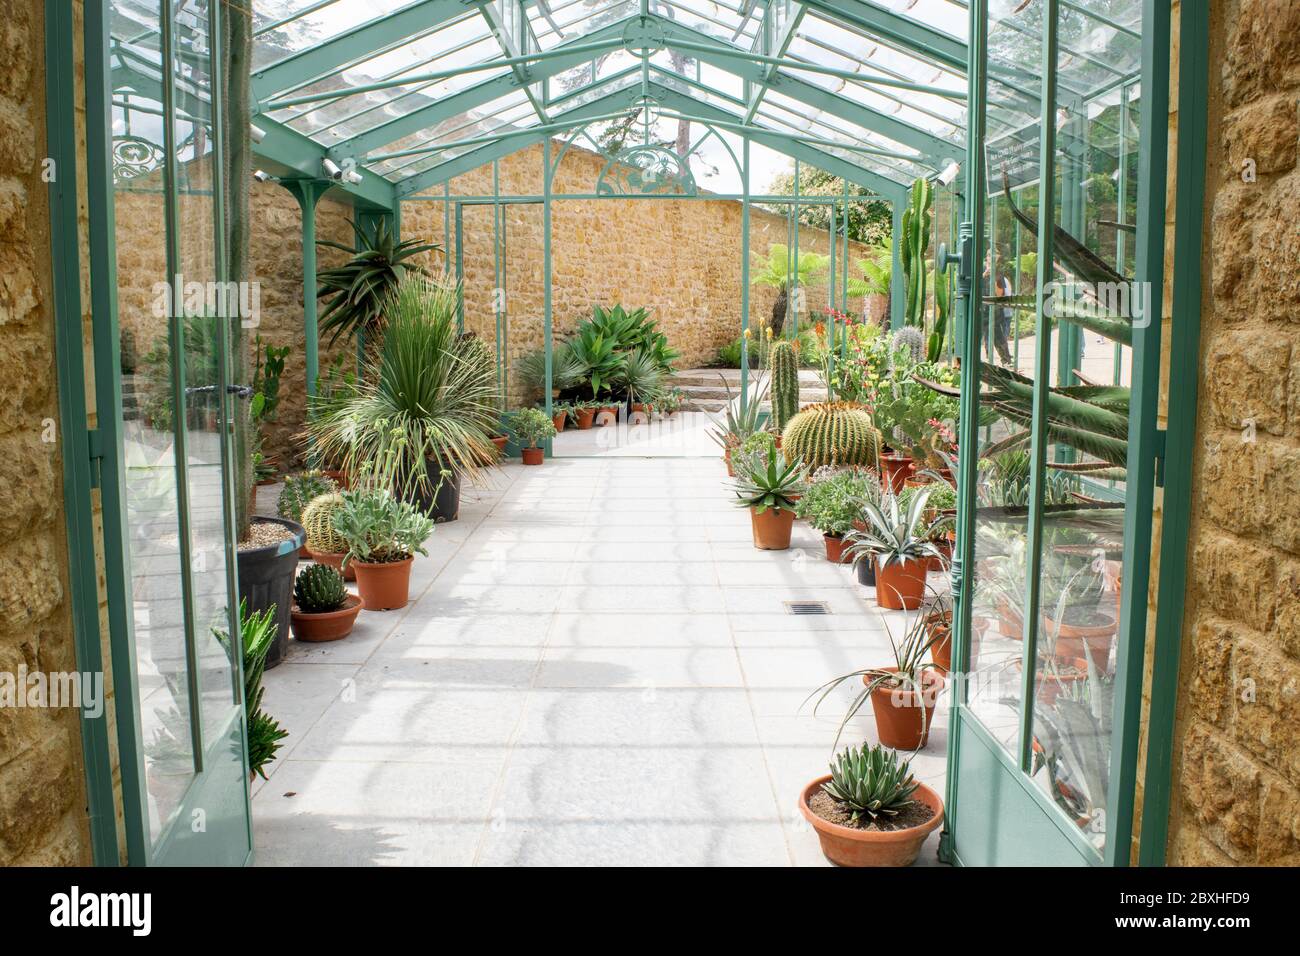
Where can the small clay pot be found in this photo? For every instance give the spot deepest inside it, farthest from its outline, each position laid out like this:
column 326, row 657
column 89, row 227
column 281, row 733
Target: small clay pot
column 904, row 717
column 586, row 416
column 384, row 585
column 1073, row 641
column 531, row 456
column 846, row 846
column 559, row 419
column 335, row 561
column 607, row 415
column 500, row 441
column 327, row 626
column 894, row 472
column 834, row 548
column 901, row 585
column 772, row 528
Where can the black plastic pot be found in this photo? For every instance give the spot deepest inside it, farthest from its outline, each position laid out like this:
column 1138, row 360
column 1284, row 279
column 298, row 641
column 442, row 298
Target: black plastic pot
column 445, row 504
column 266, row 578
column 866, row 569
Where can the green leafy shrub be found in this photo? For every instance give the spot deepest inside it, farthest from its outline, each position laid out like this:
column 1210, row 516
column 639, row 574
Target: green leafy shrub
column 832, row 504
column 530, row 426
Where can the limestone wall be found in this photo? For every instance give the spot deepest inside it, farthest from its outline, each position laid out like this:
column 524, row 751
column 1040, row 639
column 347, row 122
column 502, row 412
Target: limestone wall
column 1237, row 750
column 42, row 794
column 679, row 258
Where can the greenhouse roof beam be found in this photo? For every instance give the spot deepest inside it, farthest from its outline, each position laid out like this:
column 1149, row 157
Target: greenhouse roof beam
column 909, row 34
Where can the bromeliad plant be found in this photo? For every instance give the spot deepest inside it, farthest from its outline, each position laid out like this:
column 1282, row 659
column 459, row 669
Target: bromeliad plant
column 872, row 781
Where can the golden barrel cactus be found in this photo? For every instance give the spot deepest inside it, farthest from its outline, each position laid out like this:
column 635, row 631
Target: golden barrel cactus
column 831, row 433
column 318, row 520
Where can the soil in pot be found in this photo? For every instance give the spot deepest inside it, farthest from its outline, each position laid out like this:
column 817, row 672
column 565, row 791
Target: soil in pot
column 904, row 717
column 893, row 843
column 384, row 585
column 531, row 456
column 329, row 625
column 772, row 528
column 266, row 564
column 336, row 561
column 834, row 548
column 901, row 585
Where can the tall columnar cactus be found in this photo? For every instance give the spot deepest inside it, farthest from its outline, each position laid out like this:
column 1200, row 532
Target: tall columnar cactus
column 318, row 520
column 915, row 244
column 831, row 433
column 319, row 589
column 784, row 364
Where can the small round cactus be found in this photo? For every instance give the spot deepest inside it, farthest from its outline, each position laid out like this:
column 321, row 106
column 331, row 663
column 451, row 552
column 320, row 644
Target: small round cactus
column 299, row 490
column 318, row 520
column 319, row 589
column 911, row 338
column 831, row 433
column 784, row 363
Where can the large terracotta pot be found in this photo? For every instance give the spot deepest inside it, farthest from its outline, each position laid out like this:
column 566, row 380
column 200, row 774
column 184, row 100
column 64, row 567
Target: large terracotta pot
column 1050, row 686
column 846, row 846
column 772, row 528
column 895, row 470
column 329, row 626
column 335, row 561
column 531, row 456
column 904, row 717
column 384, row 585
column 901, row 585
column 834, row 548
column 1074, row 641
column 939, row 627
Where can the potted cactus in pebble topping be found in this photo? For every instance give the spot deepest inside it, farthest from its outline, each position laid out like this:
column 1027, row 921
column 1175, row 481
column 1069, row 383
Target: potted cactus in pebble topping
column 870, row 810
column 531, row 425
column 323, row 540
column 323, row 610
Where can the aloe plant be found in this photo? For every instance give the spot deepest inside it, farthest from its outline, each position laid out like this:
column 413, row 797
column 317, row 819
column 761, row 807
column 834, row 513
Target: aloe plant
column 360, row 289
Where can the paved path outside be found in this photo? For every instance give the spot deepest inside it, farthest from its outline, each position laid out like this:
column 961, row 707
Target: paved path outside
column 597, row 669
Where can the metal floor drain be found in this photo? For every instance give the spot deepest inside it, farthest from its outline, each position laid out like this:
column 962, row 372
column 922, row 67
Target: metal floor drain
column 807, row 607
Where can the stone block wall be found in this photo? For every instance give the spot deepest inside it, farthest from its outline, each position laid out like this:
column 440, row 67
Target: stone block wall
column 1237, row 748
column 42, row 794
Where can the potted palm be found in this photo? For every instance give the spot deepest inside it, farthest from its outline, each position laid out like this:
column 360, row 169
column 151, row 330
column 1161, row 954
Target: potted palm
column 870, row 810
column 323, row 610
column 902, row 694
column 436, row 387
column 832, row 504
column 769, row 487
column 896, row 539
column 383, row 533
column 531, row 425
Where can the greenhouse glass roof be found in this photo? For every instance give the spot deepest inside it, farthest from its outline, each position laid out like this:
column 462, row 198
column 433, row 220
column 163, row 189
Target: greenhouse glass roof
column 415, row 91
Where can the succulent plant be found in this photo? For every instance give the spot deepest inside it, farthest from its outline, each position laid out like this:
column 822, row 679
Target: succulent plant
column 911, row 338
column 318, row 520
column 784, row 363
column 299, row 490
column 872, row 781
column 319, row 589
column 831, row 433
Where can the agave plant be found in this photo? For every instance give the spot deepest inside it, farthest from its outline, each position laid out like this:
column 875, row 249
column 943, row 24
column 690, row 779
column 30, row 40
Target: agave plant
column 872, row 781
column 257, row 631
column 429, row 384
column 736, row 425
column 770, row 482
column 640, row 377
column 895, row 531
column 1075, row 734
column 359, row 289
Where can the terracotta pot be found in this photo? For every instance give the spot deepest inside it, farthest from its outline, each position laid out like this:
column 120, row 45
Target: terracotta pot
column 559, row 419
column 500, row 441
column 340, row 477
column 939, row 626
column 585, row 418
column 834, row 548
column 335, row 561
column 329, row 626
column 607, row 415
column 1011, row 624
column 726, row 456
column 641, row 408
column 1074, row 641
column 772, row 528
column 904, row 717
column 304, row 553
column 895, row 470
column 901, row 586
column 383, row 585
column 845, row 846
column 531, row 456
column 917, row 481
column 1048, row 687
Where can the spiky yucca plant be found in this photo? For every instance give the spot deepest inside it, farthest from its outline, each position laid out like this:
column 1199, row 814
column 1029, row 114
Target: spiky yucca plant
column 784, row 363
column 319, row 589
column 359, row 289
column 872, row 781
column 831, row 433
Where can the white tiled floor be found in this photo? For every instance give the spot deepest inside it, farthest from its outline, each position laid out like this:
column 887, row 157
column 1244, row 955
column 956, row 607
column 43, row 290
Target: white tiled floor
column 597, row 668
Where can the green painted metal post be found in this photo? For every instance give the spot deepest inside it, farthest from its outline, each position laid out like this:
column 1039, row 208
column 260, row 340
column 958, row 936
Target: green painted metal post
column 308, row 193
column 897, row 281
column 547, row 327
column 744, row 278
column 794, row 299
column 460, row 267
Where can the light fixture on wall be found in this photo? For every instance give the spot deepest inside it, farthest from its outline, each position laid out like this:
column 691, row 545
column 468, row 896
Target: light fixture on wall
column 948, row 174
column 256, row 133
